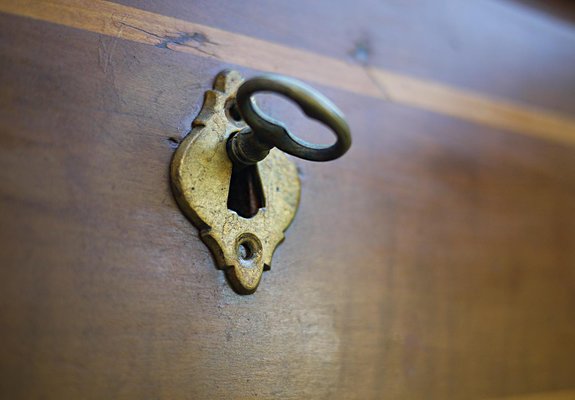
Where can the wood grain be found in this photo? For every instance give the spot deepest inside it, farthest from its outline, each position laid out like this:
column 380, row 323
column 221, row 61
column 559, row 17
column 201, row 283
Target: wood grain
column 436, row 260
column 555, row 395
column 469, row 45
column 166, row 32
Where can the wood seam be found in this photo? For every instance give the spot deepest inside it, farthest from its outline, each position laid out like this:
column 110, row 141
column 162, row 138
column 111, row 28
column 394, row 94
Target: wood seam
column 145, row 27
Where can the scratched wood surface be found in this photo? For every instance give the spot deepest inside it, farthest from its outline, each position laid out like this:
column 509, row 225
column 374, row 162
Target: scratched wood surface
column 436, row 260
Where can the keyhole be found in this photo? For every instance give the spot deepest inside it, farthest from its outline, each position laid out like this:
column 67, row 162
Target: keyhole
column 246, row 195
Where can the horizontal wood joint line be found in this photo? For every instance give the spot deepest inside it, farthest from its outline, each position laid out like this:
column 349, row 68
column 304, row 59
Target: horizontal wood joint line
column 140, row 26
column 554, row 395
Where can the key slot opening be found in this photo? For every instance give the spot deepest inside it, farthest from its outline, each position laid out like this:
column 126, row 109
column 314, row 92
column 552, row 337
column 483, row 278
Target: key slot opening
column 246, row 194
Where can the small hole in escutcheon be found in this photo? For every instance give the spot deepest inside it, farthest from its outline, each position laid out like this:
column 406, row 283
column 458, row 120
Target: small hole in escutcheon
column 245, row 251
column 248, row 249
column 232, row 111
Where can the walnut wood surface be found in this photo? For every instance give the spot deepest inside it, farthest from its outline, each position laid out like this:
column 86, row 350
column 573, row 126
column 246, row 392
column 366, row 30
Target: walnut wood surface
column 436, row 260
column 359, row 76
column 503, row 48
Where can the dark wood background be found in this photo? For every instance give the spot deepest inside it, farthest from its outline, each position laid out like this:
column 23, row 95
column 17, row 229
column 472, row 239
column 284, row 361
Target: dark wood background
column 436, row 260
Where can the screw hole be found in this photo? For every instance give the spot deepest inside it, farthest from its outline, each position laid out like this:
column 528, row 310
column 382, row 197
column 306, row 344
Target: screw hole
column 245, row 250
column 249, row 250
column 233, row 112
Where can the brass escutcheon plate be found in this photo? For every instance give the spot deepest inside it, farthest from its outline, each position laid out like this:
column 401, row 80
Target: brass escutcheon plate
column 201, row 172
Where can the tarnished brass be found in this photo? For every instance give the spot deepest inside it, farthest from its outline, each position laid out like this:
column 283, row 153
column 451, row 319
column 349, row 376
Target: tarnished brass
column 251, row 145
column 231, row 179
column 201, row 172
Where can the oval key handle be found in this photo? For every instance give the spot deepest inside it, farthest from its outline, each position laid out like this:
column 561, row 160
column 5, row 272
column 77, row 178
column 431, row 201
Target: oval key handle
column 253, row 144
